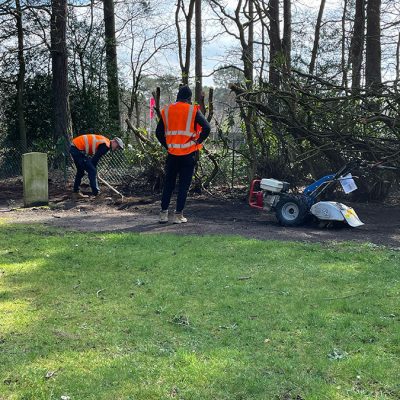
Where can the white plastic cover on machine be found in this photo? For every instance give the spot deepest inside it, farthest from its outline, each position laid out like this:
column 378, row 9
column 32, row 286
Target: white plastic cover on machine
column 333, row 211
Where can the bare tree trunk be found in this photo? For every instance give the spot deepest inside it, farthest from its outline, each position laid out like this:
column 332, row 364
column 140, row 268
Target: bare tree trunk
column 184, row 59
column 248, row 112
column 344, row 62
column 357, row 45
column 316, row 38
column 287, row 34
column 199, row 56
column 137, row 110
column 250, row 48
column 397, row 63
column 373, row 78
column 263, row 60
column 111, row 64
column 62, row 126
column 21, row 79
column 275, row 44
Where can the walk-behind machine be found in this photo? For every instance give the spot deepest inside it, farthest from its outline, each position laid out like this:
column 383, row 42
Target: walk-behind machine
column 295, row 209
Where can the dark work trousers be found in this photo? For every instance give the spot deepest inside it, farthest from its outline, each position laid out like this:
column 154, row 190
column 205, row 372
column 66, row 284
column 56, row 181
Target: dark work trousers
column 84, row 163
column 184, row 167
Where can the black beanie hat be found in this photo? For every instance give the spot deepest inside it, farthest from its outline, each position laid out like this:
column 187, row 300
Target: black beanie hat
column 184, row 93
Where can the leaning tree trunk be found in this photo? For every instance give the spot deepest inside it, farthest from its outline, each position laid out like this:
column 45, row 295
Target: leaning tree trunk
column 314, row 52
column 62, row 127
column 111, row 64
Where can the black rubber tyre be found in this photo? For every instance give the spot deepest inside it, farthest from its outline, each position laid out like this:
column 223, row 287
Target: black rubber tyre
column 292, row 210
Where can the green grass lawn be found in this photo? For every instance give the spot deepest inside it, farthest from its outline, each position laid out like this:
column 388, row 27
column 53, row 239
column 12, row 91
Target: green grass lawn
column 136, row 316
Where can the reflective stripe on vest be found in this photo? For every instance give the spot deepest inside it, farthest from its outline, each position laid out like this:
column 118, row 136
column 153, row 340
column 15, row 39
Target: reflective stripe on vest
column 183, row 133
column 166, row 122
column 189, row 118
column 90, row 143
column 181, row 146
column 180, row 134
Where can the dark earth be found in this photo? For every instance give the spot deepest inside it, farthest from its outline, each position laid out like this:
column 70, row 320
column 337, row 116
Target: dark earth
column 207, row 215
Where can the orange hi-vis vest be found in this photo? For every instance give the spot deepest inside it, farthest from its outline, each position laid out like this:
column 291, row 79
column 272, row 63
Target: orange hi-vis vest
column 180, row 133
column 90, row 143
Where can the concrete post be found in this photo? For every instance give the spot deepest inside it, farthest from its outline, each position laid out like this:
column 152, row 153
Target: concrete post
column 35, row 177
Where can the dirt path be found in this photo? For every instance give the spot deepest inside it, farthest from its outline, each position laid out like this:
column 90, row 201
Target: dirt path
column 206, row 216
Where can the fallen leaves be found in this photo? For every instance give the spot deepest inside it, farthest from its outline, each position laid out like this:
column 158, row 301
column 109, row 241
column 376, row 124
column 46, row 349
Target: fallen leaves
column 50, row 374
column 337, row 354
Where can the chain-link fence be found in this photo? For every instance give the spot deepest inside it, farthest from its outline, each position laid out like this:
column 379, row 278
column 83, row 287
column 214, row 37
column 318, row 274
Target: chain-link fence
column 135, row 168
column 10, row 163
column 114, row 167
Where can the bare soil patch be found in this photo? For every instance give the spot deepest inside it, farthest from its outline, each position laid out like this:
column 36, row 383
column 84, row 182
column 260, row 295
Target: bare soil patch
column 206, row 214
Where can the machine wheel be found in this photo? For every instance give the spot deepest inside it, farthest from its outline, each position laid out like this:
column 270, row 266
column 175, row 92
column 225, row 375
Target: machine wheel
column 291, row 210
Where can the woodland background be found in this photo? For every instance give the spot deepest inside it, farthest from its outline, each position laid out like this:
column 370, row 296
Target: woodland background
column 293, row 89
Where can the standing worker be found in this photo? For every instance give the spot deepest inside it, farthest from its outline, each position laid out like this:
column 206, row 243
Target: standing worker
column 181, row 130
column 86, row 151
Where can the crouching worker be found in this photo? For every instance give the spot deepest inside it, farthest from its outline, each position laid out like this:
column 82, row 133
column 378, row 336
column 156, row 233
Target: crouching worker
column 181, row 130
column 86, row 151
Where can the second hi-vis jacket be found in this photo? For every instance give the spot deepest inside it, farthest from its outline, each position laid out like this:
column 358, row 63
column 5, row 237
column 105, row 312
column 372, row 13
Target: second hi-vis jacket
column 90, row 143
column 180, row 132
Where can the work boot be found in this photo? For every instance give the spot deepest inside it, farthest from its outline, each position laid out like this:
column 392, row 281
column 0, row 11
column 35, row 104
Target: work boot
column 96, row 198
column 163, row 217
column 79, row 196
column 179, row 218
